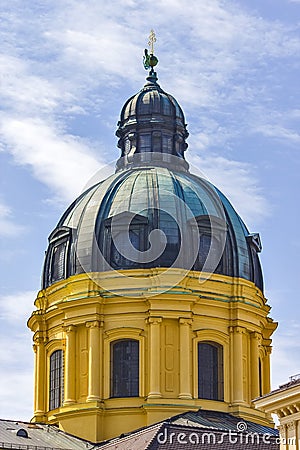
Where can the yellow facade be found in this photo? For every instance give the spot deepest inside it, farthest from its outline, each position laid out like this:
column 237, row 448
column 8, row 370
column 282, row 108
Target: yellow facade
column 82, row 317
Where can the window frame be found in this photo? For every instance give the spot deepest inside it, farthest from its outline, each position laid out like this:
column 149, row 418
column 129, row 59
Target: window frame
column 203, row 229
column 260, row 376
column 216, row 374
column 223, row 339
column 120, row 334
column 133, row 378
column 137, row 224
column 145, row 142
column 58, row 237
column 56, row 393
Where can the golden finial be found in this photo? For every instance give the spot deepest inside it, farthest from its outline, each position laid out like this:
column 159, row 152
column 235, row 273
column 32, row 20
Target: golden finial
column 150, row 59
column 152, row 39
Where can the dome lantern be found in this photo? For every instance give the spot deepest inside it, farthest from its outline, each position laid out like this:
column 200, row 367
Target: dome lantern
column 152, row 126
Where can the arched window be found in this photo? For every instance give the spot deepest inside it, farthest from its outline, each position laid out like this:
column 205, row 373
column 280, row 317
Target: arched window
column 211, row 247
column 56, row 262
column 210, row 371
column 123, row 234
column 56, row 380
column 123, row 257
column 211, row 238
column 125, row 368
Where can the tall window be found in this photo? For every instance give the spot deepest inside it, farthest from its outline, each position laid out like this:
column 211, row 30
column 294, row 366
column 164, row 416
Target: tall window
column 56, row 380
column 125, row 368
column 212, row 240
column 167, row 143
column 210, row 247
column 144, row 143
column 210, row 371
column 260, row 377
column 121, row 254
column 123, row 235
column 58, row 262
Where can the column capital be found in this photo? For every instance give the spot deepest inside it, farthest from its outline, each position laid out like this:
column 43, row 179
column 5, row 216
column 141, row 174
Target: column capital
column 291, row 426
column 255, row 335
column 185, row 321
column 237, row 329
column 94, row 324
column 154, row 320
column 39, row 338
column 282, row 430
column 69, row 328
column 268, row 349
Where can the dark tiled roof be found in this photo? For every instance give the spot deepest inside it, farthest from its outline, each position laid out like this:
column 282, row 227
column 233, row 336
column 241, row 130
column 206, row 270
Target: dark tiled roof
column 219, row 421
column 290, row 384
column 40, row 437
column 137, row 440
column 176, row 437
column 201, row 430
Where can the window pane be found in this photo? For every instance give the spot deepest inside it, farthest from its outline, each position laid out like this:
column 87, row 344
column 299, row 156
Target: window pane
column 125, row 368
column 145, row 143
column 56, row 380
column 167, row 143
column 58, row 262
column 210, row 371
column 156, row 142
column 210, row 253
column 122, row 254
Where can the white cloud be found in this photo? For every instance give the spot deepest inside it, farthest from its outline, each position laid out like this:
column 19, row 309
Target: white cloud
column 90, row 48
column 16, row 392
column 238, row 182
column 279, row 132
column 8, row 227
column 61, row 161
column 24, row 91
column 16, row 356
column 286, row 352
column 17, row 307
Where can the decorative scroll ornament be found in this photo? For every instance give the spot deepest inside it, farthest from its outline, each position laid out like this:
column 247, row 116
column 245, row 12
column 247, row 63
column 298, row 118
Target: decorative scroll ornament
column 150, row 60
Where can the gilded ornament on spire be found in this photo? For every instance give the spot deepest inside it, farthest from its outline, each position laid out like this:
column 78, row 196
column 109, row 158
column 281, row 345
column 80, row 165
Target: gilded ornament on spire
column 150, row 60
column 152, row 39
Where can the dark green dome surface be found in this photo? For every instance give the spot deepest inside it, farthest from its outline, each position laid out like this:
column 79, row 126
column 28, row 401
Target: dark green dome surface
column 139, row 200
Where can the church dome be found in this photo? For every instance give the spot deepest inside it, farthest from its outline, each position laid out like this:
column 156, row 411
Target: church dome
column 109, row 228
column 152, row 212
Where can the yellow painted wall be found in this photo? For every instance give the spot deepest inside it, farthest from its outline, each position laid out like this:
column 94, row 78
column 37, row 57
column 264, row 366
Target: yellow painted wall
column 82, row 316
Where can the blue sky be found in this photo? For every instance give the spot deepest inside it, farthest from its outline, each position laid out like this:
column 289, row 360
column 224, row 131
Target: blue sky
column 67, row 68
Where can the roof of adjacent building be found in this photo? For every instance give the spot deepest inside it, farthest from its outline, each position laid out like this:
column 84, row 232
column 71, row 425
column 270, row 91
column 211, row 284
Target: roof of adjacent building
column 202, row 430
column 20, row 435
column 293, row 382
